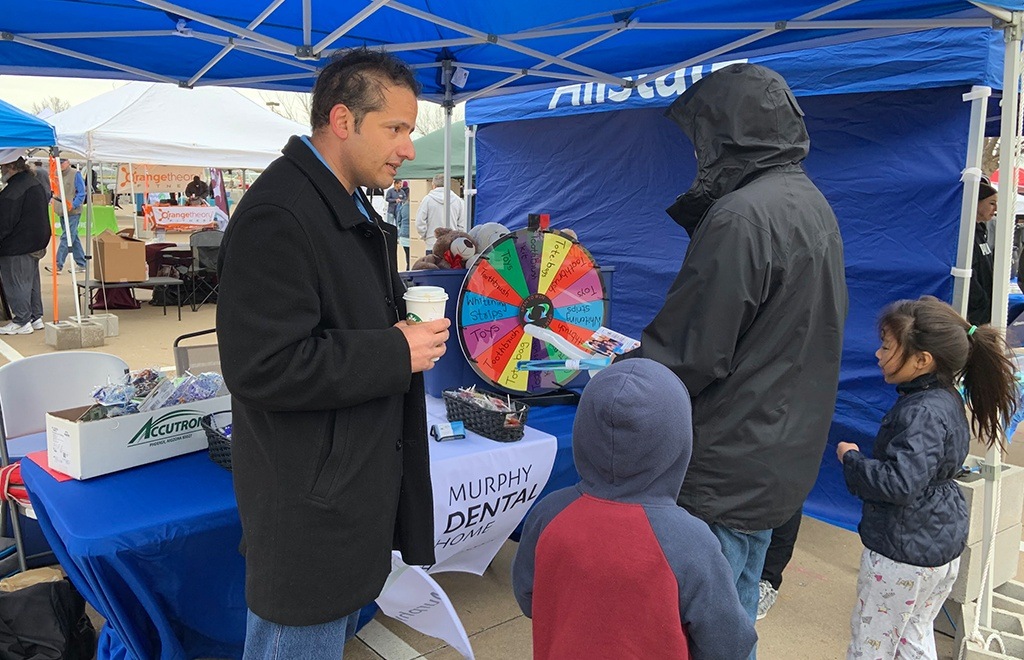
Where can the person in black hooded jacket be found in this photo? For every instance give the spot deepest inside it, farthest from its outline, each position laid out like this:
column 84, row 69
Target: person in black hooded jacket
column 24, row 233
column 753, row 324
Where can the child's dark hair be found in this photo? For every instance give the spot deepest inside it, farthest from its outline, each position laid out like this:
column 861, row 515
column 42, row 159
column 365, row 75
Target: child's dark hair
column 978, row 354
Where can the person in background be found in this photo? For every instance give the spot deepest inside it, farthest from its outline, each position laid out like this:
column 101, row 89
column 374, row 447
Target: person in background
column 430, row 215
column 403, row 223
column 74, row 188
column 42, row 174
column 197, row 189
column 780, row 551
column 759, row 303
column 979, row 300
column 329, row 449
column 914, row 520
column 611, row 567
column 395, row 195
column 24, row 235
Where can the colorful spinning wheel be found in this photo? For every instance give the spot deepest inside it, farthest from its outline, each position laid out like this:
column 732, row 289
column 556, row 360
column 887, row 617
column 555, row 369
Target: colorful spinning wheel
column 544, row 278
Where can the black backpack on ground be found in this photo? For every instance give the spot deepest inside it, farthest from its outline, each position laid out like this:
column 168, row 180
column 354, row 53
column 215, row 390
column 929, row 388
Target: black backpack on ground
column 45, row 621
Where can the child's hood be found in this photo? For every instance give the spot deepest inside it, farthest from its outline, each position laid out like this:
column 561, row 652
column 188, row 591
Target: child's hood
column 633, row 433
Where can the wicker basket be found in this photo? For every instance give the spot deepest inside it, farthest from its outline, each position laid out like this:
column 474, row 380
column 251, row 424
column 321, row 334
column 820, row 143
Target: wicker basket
column 220, row 444
column 488, row 423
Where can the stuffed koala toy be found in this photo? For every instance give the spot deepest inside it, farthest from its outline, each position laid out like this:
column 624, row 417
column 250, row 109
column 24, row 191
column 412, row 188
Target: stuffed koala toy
column 452, row 249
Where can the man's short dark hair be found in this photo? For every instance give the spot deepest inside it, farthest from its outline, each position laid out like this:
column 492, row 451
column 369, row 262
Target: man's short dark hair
column 358, row 80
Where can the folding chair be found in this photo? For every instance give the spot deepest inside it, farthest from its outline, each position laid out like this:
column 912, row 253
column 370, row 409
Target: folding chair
column 203, row 271
column 196, row 358
column 30, row 388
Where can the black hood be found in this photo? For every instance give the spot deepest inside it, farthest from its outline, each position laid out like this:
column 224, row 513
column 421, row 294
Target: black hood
column 743, row 120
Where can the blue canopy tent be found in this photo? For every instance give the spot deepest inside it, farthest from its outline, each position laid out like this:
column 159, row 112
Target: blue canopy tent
column 889, row 137
column 20, row 129
column 474, row 49
column 460, row 50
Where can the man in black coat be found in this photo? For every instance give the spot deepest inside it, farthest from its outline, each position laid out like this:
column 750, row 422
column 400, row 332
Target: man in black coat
column 24, row 233
column 753, row 324
column 329, row 452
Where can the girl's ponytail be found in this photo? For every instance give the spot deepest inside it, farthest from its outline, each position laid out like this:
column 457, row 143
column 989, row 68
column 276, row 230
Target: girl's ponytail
column 990, row 387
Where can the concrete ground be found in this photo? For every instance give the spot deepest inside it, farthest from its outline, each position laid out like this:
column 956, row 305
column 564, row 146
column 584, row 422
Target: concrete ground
column 810, row 620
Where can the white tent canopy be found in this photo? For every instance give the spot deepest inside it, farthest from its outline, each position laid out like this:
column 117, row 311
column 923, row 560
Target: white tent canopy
column 161, row 124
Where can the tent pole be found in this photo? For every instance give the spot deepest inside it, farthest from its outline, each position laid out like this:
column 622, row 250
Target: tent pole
column 961, row 271
column 448, row 105
column 88, row 218
column 1009, row 140
column 469, row 189
column 135, row 211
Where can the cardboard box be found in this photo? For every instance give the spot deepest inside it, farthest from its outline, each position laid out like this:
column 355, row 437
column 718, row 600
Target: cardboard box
column 119, row 258
column 88, row 449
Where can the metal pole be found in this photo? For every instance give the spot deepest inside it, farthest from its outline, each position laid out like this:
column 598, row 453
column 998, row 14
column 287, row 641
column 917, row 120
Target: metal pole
column 1008, row 166
column 88, row 218
column 135, row 210
column 469, row 189
column 961, row 271
column 448, row 105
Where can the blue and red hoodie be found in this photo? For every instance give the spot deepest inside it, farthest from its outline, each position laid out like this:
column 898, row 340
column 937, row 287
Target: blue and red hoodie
column 613, row 567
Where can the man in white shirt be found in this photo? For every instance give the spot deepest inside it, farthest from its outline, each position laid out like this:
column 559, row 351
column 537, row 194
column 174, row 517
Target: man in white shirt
column 431, row 213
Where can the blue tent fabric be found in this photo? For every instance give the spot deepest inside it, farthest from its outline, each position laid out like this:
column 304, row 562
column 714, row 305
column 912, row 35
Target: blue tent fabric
column 20, row 129
column 889, row 163
column 177, row 41
column 934, row 58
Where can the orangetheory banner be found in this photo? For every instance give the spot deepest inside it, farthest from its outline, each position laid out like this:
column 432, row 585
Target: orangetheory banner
column 157, row 178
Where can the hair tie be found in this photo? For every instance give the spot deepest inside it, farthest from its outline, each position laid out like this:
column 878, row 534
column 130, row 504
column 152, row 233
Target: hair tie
column 971, row 330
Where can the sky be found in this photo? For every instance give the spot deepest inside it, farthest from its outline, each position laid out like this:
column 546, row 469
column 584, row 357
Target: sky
column 24, row 91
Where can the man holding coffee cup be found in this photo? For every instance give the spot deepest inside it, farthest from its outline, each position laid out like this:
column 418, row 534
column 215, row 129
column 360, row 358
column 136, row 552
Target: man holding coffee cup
column 329, row 425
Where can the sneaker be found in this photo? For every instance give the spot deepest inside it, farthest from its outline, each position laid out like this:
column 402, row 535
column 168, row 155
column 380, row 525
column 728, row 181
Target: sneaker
column 13, row 328
column 37, row 324
column 76, row 269
column 49, row 269
column 766, row 598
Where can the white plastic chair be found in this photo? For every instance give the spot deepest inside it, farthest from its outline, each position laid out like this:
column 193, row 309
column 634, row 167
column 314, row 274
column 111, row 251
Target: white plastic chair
column 38, row 384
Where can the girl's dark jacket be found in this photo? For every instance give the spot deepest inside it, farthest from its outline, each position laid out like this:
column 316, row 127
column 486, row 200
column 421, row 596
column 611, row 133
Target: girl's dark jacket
column 914, row 512
column 329, row 448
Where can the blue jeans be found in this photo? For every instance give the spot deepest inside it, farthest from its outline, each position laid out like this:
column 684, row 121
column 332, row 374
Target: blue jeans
column 76, row 244
column 265, row 640
column 745, row 553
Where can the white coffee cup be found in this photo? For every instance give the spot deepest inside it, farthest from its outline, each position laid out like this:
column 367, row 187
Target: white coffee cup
column 425, row 303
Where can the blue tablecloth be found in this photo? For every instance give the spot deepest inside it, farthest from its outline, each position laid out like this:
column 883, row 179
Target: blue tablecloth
column 155, row 549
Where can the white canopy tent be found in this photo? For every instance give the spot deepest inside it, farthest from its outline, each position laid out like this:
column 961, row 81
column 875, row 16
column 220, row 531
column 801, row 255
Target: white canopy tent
column 161, row 124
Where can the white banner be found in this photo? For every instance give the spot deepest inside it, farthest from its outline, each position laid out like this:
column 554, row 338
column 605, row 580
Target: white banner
column 189, row 217
column 155, row 178
column 414, row 598
column 482, row 490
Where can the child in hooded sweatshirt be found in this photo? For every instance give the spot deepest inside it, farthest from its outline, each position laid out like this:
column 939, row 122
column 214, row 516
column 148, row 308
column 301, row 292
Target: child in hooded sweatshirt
column 914, row 522
column 613, row 567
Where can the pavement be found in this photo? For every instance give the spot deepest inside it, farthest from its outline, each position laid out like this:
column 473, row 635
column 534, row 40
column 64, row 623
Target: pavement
column 810, row 620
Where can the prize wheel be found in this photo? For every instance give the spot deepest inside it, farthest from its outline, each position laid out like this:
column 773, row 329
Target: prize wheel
column 535, row 277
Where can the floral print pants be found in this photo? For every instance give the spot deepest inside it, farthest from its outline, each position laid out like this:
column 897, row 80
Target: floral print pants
column 896, row 606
